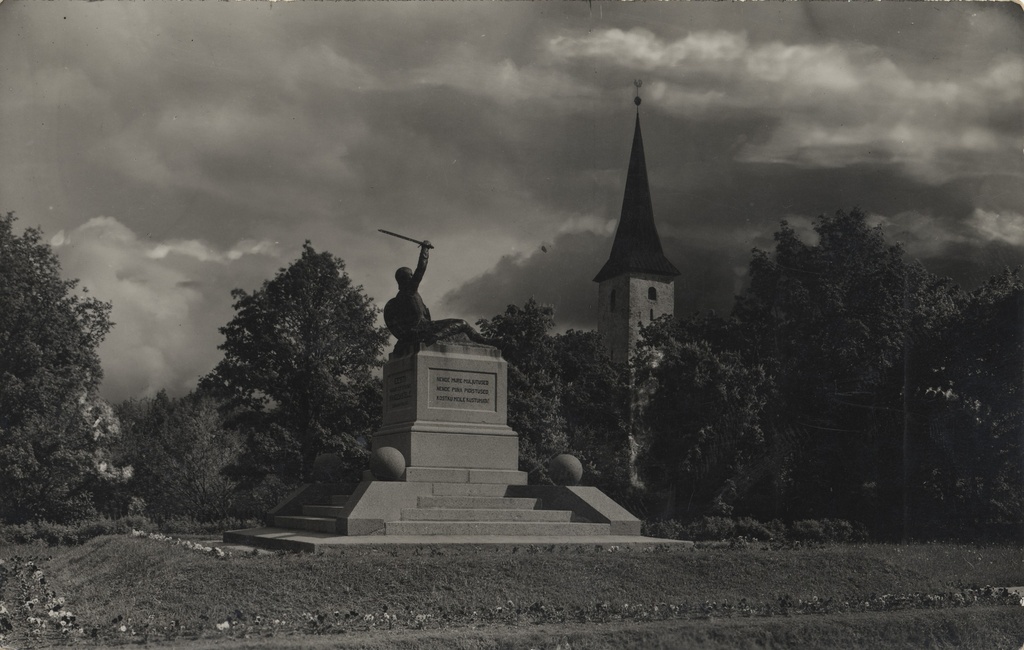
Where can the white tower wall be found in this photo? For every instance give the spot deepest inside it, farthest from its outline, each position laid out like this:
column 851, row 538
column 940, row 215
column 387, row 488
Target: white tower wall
column 634, row 306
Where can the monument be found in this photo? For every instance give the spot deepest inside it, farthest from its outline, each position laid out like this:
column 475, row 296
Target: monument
column 444, row 461
column 445, row 394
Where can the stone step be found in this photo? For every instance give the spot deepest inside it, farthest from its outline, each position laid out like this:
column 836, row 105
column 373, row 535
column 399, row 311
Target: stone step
column 318, row 524
column 483, row 514
column 464, row 475
column 278, row 539
column 339, row 499
column 502, row 528
column 469, row 489
column 331, row 512
column 504, row 503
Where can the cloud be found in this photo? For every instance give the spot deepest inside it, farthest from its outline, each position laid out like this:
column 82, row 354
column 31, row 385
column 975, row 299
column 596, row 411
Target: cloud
column 168, row 298
column 640, row 48
column 504, row 81
column 714, row 263
column 926, row 236
column 264, row 158
column 561, row 274
column 922, row 234
column 836, row 104
column 1007, row 227
column 205, row 253
column 515, row 278
column 224, row 136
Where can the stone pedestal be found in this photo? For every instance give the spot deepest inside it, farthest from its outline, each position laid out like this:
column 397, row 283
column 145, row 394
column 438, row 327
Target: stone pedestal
column 445, row 409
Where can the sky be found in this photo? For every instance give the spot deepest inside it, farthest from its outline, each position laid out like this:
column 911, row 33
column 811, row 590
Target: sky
column 172, row 152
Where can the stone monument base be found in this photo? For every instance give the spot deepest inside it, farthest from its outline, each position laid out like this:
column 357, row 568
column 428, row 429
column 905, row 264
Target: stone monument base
column 445, row 406
column 419, row 512
column 431, row 444
column 445, row 412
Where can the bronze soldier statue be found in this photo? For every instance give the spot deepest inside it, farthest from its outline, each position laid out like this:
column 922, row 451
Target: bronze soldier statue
column 408, row 319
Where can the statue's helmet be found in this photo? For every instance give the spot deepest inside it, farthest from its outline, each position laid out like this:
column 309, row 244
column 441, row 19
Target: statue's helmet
column 403, row 276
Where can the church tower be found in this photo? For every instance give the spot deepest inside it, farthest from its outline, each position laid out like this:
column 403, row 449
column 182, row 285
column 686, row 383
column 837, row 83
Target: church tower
column 636, row 284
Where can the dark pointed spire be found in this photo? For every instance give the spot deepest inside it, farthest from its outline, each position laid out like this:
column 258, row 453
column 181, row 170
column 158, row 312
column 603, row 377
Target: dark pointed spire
column 637, row 247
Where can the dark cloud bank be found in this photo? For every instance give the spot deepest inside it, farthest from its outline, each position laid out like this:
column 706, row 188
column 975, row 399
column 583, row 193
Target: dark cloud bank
column 709, row 233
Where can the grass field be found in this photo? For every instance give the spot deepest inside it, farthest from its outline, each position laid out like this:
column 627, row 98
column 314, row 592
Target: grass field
column 124, row 590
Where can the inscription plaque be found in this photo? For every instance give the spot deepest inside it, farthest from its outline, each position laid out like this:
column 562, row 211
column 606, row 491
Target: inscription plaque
column 466, row 391
column 399, row 392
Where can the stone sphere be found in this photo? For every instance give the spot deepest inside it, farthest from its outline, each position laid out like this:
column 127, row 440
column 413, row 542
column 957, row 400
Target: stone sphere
column 387, row 464
column 565, row 469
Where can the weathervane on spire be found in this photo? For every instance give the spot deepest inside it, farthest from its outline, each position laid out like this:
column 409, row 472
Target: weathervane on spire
column 636, row 100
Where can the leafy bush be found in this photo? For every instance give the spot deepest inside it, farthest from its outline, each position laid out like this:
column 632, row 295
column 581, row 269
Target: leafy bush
column 827, row 530
column 189, row 526
column 663, row 528
column 774, row 530
column 715, row 529
column 261, row 496
column 179, row 450
column 55, row 534
column 711, row 529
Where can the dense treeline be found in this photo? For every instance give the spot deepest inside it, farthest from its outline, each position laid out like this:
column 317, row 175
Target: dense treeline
column 296, row 383
column 849, row 384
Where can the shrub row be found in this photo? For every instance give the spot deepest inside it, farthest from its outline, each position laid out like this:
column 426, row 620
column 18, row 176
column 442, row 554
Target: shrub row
column 728, row 528
column 704, row 529
column 54, row 534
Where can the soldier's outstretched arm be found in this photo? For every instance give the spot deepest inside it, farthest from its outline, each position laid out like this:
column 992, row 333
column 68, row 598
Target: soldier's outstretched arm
column 421, row 267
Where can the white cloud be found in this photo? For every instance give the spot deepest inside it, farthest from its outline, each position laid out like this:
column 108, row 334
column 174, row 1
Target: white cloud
column 168, row 298
column 252, row 247
column 203, row 252
column 586, row 223
column 927, row 236
column 834, row 104
column 640, row 48
column 319, row 65
column 1006, row 227
column 267, row 158
column 502, row 81
column 922, row 234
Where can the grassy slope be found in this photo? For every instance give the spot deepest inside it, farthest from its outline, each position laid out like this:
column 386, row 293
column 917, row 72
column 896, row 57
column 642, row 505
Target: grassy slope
column 150, row 585
column 986, row 629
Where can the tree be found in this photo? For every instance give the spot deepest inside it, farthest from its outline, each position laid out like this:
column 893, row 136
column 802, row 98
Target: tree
column 970, row 464
column 297, row 366
column 702, row 443
column 564, row 395
column 180, row 451
column 843, row 324
column 534, row 405
column 595, row 406
column 53, row 426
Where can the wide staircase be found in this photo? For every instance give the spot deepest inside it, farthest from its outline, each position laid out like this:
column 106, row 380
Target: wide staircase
column 456, row 509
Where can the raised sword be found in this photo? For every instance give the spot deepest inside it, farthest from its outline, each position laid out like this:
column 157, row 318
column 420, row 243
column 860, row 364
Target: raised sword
column 395, row 234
